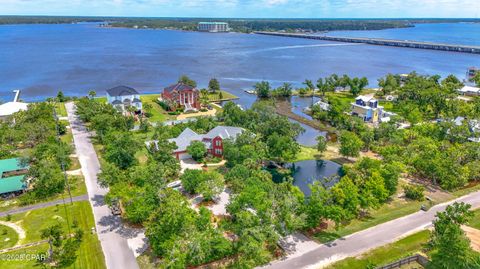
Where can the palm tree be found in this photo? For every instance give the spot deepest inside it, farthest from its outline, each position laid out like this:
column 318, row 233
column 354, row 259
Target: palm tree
column 92, row 94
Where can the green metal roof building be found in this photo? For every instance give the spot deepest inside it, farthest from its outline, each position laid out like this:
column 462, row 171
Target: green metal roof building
column 15, row 181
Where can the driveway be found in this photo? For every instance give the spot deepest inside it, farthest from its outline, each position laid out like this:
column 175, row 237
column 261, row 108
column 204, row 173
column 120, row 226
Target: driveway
column 113, row 235
column 360, row 242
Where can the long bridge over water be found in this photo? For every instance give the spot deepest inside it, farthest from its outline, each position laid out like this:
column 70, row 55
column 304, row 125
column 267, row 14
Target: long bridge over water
column 384, row 42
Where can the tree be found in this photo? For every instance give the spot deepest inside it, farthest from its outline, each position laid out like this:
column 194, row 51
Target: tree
column 212, row 186
column 92, row 94
column 53, row 234
column 147, row 107
column 285, row 90
column 357, row 85
column 321, row 144
column 204, row 99
column 61, row 97
column 309, row 85
column 191, row 179
column 476, row 78
column 213, row 85
column 197, row 150
column 350, row 144
column 47, row 178
column 120, row 149
column 322, row 86
column 187, row 81
column 388, row 84
column 451, row 246
column 263, row 89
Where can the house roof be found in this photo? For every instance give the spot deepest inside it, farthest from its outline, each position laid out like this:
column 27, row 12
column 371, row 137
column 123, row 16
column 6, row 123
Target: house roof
column 11, row 107
column 12, row 183
column 179, row 87
column 225, row 132
column 188, row 136
column 185, row 138
column 121, row 91
column 469, row 89
column 366, row 98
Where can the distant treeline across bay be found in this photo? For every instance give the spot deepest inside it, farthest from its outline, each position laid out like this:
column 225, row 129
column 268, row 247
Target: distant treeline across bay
column 238, row 25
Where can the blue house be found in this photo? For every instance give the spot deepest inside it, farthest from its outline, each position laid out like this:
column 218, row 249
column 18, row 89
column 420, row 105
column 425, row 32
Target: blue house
column 367, row 108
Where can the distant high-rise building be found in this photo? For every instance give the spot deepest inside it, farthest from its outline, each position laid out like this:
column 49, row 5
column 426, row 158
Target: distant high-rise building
column 213, row 27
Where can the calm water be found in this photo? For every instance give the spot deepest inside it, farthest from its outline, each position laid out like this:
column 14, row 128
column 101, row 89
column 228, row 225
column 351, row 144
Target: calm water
column 307, row 172
column 76, row 58
column 450, row 33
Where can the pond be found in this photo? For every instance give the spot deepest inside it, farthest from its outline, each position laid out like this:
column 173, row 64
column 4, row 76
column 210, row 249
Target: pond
column 307, row 172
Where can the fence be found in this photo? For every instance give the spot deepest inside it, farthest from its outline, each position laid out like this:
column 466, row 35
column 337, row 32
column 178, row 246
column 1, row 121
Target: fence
column 415, row 258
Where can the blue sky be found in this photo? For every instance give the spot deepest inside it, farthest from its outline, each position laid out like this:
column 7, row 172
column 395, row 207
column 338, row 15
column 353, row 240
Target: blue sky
column 247, row 8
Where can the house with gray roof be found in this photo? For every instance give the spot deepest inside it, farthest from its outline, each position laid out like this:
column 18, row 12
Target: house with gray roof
column 122, row 97
column 213, row 140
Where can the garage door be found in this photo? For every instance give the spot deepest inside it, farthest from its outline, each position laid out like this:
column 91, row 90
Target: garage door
column 184, row 156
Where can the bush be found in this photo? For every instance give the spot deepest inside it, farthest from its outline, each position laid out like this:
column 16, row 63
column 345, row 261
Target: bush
column 414, row 192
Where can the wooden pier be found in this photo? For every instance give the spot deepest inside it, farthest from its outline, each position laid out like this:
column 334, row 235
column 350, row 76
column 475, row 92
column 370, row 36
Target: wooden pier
column 384, row 42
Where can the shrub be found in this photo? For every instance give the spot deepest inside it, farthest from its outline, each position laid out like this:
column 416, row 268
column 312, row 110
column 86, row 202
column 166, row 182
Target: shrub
column 414, row 192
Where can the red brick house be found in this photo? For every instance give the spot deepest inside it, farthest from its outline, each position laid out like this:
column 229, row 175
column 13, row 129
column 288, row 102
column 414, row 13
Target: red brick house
column 213, row 140
column 181, row 95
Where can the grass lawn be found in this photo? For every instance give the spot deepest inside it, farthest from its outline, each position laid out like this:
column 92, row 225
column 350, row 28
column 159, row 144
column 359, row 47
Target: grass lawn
column 77, row 188
column 60, row 109
column 475, row 221
column 389, row 211
column 101, row 99
column 214, row 97
column 8, row 237
column 307, row 153
column 158, row 113
column 387, row 254
column 90, row 254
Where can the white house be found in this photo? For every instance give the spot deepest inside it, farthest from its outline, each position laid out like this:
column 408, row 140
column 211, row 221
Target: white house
column 123, row 97
column 469, row 91
column 9, row 108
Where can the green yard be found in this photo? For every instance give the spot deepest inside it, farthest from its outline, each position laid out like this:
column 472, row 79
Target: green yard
column 389, row 211
column 8, row 237
column 475, row 221
column 387, row 254
column 158, row 113
column 215, row 97
column 60, row 109
column 80, row 213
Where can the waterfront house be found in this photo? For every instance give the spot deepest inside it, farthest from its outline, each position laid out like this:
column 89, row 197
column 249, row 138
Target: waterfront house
column 12, row 176
column 213, row 140
column 10, row 108
column 183, row 96
column 469, row 91
column 123, row 97
column 366, row 107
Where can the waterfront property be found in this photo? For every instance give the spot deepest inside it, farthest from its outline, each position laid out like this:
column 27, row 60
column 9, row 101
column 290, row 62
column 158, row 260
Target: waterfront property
column 123, row 97
column 471, row 72
column 12, row 176
column 182, row 96
column 473, row 127
column 213, row 27
column 213, row 140
column 366, row 107
column 469, row 91
column 10, row 108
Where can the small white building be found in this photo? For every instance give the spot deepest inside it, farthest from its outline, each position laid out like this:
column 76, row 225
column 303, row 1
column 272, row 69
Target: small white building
column 122, row 97
column 10, row 108
column 469, row 91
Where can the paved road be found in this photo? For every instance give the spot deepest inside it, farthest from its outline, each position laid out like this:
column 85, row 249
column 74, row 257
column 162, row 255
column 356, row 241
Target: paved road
column 365, row 240
column 112, row 233
column 43, row 205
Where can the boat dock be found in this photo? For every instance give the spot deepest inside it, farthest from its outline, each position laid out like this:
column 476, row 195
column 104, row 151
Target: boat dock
column 384, row 42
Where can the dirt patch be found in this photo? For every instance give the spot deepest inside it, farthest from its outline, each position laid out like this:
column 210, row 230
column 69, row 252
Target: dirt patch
column 474, row 236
